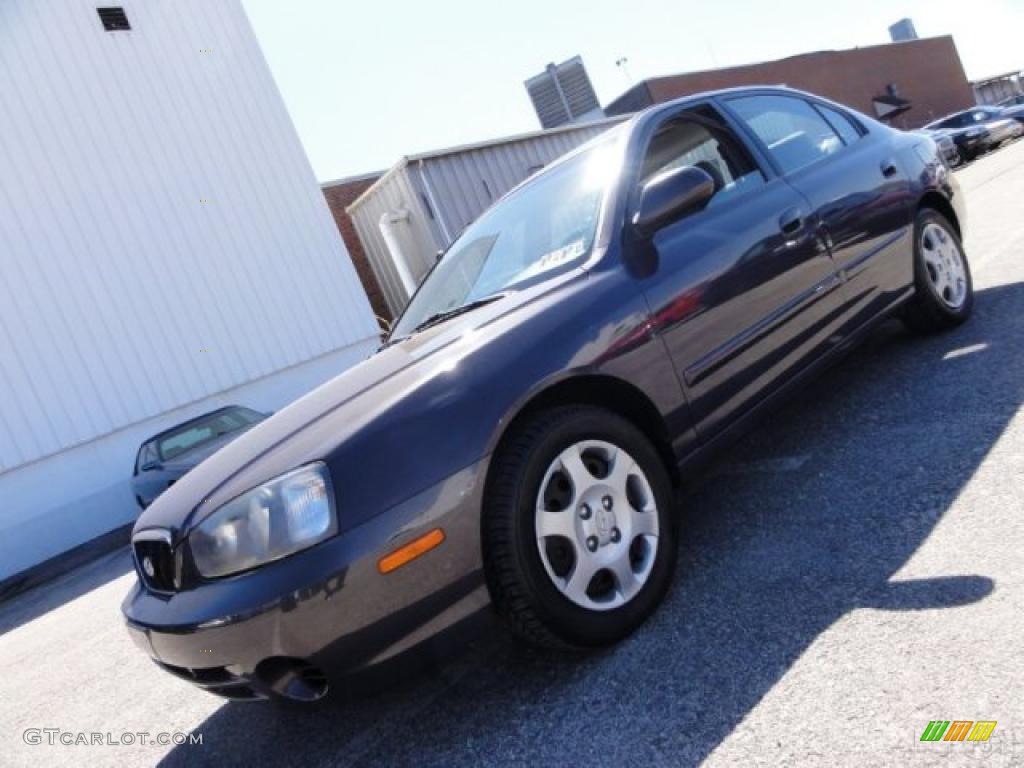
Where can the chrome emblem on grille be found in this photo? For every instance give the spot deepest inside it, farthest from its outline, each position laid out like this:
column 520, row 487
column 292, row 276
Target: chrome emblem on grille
column 147, row 566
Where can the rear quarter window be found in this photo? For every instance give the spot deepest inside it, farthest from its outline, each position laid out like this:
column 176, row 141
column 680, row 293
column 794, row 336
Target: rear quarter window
column 841, row 123
column 794, row 132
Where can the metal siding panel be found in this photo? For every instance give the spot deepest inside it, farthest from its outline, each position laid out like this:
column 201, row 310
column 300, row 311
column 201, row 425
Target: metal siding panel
column 217, row 99
column 463, row 191
column 366, row 218
column 420, row 234
column 139, row 203
column 432, row 223
column 395, row 191
column 115, row 274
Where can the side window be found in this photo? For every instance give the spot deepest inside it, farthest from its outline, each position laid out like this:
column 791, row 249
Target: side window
column 796, row 134
column 700, row 138
column 843, row 125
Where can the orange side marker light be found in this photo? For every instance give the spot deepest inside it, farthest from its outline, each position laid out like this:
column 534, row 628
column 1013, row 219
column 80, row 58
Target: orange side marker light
column 409, row 552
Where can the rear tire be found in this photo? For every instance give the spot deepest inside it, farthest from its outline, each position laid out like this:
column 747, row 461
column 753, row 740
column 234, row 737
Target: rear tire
column 578, row 553
column 944, row 293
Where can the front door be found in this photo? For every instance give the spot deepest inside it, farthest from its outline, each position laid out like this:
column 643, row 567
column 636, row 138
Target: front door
column 744, row 291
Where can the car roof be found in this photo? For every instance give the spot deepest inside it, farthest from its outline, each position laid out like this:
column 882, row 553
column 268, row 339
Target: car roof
column 950, row 116
column 649, row 113
column 967, row 111
column 784, row 90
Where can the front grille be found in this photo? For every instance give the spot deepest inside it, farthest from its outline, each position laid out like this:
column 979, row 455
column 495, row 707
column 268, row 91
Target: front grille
column 155, row 562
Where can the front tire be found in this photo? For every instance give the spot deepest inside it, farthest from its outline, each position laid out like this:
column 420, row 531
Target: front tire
column 944, row 293
column 579, row 535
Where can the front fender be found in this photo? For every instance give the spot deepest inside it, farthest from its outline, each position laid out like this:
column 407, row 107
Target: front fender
column 452, row 410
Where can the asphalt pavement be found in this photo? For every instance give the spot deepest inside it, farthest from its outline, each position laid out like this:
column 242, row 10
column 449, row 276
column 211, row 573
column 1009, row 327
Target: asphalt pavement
column 849, row 572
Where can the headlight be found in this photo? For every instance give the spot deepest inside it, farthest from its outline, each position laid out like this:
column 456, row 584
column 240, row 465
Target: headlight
column 277, row 519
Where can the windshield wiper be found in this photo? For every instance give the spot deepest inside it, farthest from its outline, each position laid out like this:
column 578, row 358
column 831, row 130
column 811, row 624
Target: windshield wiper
column 448, row 314
column 440, row 317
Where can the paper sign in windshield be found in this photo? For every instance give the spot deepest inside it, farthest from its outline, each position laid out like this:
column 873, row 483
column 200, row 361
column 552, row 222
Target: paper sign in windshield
column 561, row 255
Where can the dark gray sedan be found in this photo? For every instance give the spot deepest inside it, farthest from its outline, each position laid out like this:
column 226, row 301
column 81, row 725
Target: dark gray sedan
column 579, row 351
column 164, row 458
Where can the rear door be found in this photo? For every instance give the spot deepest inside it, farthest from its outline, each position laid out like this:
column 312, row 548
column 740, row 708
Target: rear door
column 855, row 186
column 744, row 291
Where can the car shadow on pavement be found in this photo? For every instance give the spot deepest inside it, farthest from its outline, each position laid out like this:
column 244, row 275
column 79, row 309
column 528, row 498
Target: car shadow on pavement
column 805, row 520
column 49, row 596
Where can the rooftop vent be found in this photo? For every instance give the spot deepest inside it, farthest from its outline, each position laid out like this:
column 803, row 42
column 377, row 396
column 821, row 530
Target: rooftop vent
column 114, row 19
column 562, row 94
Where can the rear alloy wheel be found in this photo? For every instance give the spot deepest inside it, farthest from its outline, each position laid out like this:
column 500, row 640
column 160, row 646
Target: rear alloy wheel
column 579, row 540
column 944, row 289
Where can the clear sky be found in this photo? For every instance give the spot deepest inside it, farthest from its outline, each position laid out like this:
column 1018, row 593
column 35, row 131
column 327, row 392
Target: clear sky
column 367, row 82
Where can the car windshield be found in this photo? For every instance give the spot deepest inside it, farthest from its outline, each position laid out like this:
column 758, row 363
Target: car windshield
column 959, row 120
column 542, row 229
column 204, row 429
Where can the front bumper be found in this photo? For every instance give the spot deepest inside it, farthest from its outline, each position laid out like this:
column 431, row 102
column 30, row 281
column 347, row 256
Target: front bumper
column 288, row 627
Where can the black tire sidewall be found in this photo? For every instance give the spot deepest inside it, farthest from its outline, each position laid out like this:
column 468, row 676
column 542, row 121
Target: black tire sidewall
column 572, row 623
column 926, row 291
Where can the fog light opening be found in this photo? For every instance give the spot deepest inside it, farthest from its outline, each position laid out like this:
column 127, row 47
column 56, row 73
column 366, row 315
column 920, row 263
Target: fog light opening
column 293, row 679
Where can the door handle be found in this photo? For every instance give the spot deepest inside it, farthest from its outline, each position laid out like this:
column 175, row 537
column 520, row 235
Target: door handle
column 792, row 221
column 889, row 168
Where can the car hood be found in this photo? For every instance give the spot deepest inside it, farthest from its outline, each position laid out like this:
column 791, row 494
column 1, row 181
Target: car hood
column 338, row 408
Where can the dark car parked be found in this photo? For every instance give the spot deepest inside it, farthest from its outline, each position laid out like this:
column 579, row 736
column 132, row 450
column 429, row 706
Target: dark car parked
column 164, row 458
column 581, row 349
column 979, row 130
column 1016, row 111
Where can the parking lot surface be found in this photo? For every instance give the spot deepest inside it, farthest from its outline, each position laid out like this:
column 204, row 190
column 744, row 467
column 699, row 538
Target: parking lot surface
column 850, row 571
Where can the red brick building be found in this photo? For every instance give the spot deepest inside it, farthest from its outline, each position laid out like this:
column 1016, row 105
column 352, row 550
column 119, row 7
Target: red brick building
column 340, row 194
column 924, row 75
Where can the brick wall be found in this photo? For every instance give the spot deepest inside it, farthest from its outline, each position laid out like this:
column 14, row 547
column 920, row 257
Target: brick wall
column 926, row 72
column 339, row 196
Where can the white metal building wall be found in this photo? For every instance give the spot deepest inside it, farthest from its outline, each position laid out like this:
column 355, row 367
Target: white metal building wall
column 163, row 243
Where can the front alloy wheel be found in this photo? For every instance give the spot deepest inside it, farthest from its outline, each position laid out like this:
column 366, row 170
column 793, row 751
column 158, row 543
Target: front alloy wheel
column 579, row 539
column 597, row 525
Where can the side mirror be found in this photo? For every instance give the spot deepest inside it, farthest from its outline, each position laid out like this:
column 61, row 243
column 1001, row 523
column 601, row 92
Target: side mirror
column 151, row 466
column 670, row 195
